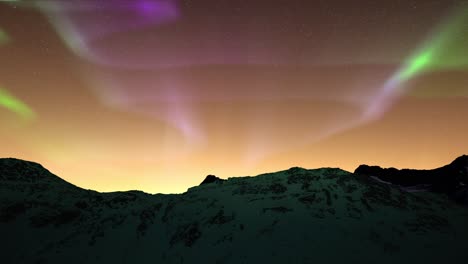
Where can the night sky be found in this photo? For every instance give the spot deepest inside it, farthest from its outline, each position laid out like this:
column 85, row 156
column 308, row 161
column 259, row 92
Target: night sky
column 155, row 94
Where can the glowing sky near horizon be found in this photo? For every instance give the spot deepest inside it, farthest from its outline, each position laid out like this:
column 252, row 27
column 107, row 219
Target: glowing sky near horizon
column 154, row 94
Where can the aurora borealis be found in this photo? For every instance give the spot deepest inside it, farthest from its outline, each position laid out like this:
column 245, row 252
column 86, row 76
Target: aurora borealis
column 3, row 37
column 156, row 94
column 11, row 103
column 450, row 37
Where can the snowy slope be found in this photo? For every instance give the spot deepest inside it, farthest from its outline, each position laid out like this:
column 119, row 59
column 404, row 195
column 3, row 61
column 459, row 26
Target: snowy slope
column 293, row 216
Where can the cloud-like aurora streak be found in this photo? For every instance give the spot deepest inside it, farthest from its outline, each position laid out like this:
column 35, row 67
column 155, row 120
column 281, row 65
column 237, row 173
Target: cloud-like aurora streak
column 79, row 31
column 447, row 50
column 15, row 105
column 88, row 37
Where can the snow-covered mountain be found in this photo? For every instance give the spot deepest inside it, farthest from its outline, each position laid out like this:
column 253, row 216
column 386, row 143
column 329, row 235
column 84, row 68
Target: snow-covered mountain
column 451, row 179
column 295, row 216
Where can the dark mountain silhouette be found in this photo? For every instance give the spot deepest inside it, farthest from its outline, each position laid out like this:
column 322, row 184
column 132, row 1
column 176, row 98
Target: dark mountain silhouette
column 451, row 179
column 210, row 179
column 295, row 216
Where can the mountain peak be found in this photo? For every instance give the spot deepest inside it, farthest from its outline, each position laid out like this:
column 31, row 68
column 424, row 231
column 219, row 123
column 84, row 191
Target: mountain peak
column 461, row 163
column 16, row 170
column 211, row 178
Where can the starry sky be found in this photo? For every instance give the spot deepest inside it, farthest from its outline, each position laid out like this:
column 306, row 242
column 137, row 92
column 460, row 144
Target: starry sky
column 154, row 95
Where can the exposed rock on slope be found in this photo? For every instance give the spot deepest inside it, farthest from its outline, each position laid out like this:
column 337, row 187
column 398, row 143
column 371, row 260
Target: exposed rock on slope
column 294, row 216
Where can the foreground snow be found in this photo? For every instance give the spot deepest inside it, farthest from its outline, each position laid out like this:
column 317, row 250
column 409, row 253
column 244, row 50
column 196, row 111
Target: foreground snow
column 293, row 216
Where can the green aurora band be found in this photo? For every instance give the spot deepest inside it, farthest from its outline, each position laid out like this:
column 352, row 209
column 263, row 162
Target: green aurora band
column 3, row 37
column 445, row 51
column 15, row 105
column 416, row 65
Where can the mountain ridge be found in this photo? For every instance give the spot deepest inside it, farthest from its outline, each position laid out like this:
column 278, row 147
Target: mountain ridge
column 451, row 179
column 296, row 215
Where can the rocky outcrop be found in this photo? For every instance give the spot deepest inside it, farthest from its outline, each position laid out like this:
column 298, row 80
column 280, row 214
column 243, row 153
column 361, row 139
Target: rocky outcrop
column 210, row 179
